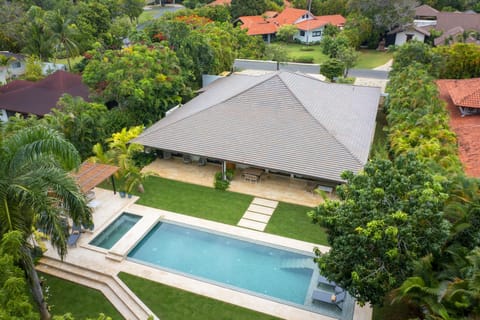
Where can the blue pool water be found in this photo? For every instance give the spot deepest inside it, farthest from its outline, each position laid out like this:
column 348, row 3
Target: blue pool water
column 108, row 237
column 257, row 268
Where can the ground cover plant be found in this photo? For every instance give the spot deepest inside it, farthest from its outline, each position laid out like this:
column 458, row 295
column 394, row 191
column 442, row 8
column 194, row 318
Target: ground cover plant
column 82, row 302
column 169, row 303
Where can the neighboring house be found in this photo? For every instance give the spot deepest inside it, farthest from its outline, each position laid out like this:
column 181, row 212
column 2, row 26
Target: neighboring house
column 15, row 66
column 463, row 98
column 454, row 26
column 287, row 123
column 310, row 27
column 38, row 98
column 399, row 36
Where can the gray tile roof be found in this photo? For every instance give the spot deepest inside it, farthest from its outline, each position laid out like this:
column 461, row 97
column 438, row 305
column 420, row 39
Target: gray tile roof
column 282, row 121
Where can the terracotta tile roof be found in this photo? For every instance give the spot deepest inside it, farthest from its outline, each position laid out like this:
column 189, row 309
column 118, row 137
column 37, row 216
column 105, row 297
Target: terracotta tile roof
column 336, row 20
column 257, row 25
column 270, row 14
column 465, row 92
column 90, row 174
column 310, row 24
column 289, row 16
column 40, row 97
column 467, row 130
column 220, row 3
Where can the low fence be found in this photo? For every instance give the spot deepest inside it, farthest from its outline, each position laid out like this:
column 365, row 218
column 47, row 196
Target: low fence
column 244, row 64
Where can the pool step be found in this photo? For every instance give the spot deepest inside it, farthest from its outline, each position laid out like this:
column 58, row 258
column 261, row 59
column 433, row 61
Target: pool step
column 122, row 298
column 298, row 263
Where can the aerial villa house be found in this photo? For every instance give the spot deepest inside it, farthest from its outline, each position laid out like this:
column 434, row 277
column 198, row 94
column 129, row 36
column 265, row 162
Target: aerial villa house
column 281, row 123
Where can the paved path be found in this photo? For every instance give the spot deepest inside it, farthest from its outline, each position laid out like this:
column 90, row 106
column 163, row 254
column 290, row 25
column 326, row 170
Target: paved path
column 258, row 214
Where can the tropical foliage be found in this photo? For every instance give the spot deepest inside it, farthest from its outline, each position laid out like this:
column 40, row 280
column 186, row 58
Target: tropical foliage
column 36, row 190
column 144, row 81
column 388, row 216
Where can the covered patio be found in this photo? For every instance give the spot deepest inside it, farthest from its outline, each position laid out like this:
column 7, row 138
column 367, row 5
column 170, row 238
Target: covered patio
column 270, row 186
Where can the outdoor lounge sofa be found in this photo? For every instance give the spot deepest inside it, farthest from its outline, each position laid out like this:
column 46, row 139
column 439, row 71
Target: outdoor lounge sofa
column 328, row 297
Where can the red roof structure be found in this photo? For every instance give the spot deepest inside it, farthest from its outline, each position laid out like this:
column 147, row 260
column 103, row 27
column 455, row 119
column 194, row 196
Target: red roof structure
column 465, row 92
column 336, row 20
column 40, row 97
column 302, row 19
column 467, row 129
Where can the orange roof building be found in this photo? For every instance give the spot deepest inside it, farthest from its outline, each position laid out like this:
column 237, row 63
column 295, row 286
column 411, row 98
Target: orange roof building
column 464, row 94
column 310, row 27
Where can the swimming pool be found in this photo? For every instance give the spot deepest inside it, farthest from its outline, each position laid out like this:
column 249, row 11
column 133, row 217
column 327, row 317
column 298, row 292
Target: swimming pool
column 111, row 234
column 260, row 269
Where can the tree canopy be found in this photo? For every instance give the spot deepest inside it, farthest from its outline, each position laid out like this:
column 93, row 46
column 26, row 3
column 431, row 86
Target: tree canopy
column 144, row 81
column 389, row 215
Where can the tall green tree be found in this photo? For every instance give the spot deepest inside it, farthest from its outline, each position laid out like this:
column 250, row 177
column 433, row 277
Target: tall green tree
column 144, row 81
column 389, row 215
column 36, row 190
column 14, row 300
column 36, row 36
column 80, row 122
column 63, row 36
column 240, row 8
column 385, row 14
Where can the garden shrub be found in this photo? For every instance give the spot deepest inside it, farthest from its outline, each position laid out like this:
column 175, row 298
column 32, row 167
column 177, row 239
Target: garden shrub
column 303, row 59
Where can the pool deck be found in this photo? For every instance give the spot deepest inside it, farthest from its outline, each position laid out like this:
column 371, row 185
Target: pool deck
column 113, row 261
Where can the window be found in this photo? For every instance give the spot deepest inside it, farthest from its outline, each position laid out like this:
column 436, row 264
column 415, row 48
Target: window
column 302, row 33
column 409, row 37
column 15, row 65
column 317, row 33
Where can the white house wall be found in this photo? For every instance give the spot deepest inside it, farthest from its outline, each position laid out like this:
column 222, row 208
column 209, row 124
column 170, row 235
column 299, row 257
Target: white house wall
column 3, row 115
column 401, row 37
column 308, row 37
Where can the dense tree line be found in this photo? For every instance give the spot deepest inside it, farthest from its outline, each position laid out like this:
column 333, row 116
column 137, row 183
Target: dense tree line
column 407, row 226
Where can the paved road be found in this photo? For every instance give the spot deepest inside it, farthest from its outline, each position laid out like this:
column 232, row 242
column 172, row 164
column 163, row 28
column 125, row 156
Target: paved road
column 368, row 73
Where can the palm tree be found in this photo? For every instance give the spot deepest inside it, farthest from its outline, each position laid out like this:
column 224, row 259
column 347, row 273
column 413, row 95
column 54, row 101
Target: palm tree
column 37, row 190
column 62, row 35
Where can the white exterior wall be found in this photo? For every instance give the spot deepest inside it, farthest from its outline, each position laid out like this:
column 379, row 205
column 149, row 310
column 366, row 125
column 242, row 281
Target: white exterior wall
column 12, row 72
column 3, row 115
column 308, row 37
column 401, row 37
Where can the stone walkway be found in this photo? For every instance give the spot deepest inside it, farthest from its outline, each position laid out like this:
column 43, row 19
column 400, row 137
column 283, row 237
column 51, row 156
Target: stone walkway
column 258, row 214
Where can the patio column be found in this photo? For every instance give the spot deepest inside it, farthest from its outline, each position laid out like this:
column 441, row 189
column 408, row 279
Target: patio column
column 224, row 170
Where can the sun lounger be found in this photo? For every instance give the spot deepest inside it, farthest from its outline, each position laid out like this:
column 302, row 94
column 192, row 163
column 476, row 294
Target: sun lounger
column 74, row 236
column 325, row 281
column 328, row 297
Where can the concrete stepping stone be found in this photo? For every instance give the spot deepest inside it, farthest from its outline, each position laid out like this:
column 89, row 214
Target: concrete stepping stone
column 256, row 217
column 261, row 209
column 252, row 224
column 265, row 202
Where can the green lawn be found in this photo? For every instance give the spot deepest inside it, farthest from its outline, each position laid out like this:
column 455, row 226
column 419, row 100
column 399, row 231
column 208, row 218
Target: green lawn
column 73, row 61
column 171, row 304
column 194, row 200
column 290, row 220
column 82, row 302
column 294, row 50
column 370, row 59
